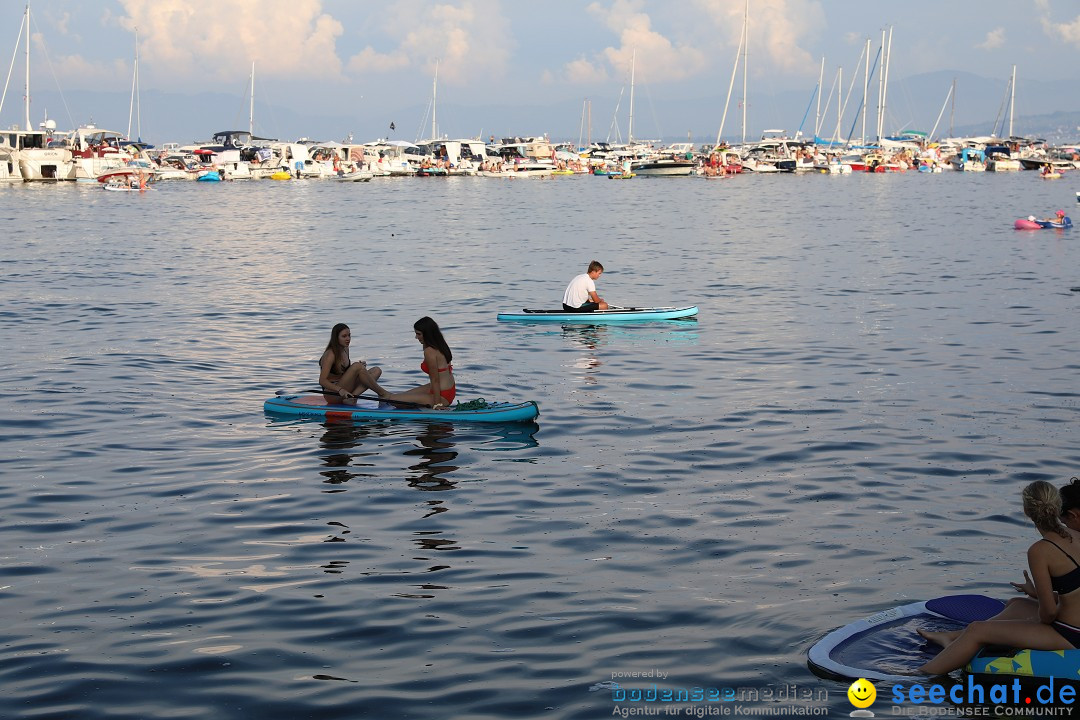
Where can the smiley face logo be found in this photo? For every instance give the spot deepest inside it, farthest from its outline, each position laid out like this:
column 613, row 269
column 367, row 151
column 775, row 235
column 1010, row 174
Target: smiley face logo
column 862, row 693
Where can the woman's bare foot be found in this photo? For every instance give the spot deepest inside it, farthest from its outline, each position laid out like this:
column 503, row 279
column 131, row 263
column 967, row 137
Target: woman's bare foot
column 942, row 638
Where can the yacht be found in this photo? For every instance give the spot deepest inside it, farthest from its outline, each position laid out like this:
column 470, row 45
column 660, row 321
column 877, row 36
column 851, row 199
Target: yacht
column 27, row 155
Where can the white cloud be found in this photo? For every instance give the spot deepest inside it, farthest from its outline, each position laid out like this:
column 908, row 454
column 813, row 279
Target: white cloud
column 1066, row 31
column 115, row 73
column 584, row 72
column 216, row 40
column 776, row 28
column 994, row 39
column 657, row 57
column 470, row 40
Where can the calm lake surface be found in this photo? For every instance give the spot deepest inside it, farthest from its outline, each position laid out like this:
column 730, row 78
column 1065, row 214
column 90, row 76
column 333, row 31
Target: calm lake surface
column 879, row 365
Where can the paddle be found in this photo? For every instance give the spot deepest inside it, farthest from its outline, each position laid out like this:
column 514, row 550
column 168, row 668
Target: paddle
column 320, row 391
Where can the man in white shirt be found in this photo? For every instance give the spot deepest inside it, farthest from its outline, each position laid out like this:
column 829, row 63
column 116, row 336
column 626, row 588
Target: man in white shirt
column 580, row 295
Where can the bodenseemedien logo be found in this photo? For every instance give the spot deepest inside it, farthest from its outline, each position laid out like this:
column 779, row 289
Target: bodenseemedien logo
column 862, row 695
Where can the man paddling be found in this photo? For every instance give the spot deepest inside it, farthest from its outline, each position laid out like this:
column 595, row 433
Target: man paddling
column 580, row 295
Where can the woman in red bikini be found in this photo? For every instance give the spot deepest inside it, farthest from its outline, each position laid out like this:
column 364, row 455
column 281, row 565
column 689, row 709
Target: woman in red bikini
column 440, row 391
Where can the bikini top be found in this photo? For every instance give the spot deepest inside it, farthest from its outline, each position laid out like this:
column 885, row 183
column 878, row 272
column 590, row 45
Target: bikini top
column 1065, row 584
column 424, row 368
column 333, row 367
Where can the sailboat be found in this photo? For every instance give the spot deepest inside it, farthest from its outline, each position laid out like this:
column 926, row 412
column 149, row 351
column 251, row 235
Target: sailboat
column 25, row 154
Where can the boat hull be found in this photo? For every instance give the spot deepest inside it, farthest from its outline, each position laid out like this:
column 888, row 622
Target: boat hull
column 599, row 316
column 661, row 169
column 314, row 407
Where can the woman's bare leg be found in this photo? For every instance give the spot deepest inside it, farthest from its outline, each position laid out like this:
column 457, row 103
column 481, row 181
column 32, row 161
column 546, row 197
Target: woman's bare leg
column 359, row 378
column 421, row 395
column 1011, row 633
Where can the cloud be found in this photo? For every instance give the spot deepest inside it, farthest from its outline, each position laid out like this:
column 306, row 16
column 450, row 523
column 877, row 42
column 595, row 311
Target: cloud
column 217, row 40
column 1066, row 31
column 115, row 73
column 775, row 28
column 656, row 57
column 470, row 40
column 584, row 72
column 994, row 39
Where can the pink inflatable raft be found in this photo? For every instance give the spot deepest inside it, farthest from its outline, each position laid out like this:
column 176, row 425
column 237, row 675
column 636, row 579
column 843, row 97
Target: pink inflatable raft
column 1033, row 223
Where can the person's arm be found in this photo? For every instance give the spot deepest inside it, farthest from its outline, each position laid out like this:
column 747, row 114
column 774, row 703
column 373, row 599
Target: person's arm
column 1044, row 593
column 433, row 374
column 326, row 362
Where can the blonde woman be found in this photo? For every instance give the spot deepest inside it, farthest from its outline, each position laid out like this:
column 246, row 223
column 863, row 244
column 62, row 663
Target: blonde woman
column 1054, row 566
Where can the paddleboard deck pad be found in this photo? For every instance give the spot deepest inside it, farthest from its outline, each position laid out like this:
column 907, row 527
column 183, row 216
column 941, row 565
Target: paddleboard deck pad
column 600, row 316
column 314, row 407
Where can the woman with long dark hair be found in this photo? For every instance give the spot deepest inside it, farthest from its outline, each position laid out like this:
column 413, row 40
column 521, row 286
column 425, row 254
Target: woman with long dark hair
column 440, row 389
column 339, row 376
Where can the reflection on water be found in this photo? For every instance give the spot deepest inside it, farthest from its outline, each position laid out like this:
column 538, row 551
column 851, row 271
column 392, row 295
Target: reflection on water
column 435, row 449
column 786, row 446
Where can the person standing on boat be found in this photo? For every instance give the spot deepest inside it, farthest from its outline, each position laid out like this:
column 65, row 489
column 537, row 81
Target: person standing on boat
column 339, row 376
column 580, row 295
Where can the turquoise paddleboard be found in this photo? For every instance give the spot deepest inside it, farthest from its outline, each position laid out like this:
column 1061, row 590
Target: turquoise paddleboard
column 314, row 407
column 600, row 316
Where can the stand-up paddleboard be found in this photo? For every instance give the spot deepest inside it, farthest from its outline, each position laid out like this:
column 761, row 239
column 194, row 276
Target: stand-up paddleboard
column 599, row 316
column 314, row 407
column 884, row 646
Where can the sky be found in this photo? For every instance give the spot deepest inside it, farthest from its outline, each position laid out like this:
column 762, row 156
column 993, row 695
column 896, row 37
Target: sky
column 366, row 62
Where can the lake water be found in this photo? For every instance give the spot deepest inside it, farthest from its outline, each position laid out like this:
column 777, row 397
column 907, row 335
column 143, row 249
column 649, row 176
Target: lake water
column 879, row 365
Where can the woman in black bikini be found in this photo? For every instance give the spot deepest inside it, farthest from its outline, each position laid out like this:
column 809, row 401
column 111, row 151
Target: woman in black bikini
column 1054, row 578
column 342, row 378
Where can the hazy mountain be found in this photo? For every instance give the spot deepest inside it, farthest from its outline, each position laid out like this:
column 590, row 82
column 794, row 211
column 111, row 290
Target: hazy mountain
column 913, row 103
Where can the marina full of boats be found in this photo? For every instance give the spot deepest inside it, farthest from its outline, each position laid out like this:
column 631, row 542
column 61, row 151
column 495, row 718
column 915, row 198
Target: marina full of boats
column 90, row 154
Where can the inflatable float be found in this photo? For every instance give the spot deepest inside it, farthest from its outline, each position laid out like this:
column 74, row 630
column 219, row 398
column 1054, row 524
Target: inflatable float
column 886, row 648
column 1033, row 223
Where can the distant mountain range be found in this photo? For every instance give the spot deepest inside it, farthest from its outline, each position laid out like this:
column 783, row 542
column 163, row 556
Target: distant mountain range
column 913, row 103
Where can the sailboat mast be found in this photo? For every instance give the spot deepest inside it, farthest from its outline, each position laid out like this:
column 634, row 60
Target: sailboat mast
column 251, row 102
column 731, row 86
column 820, row 80
column 942, row 112
column 839, row 100
column 746, row 14
column 952, row 110
column 138, row 93
column 134, row 84
column 1012, row 100
column 28, row 126
column 630, row 128
column 434, row 89
column 865, row 90
column 581, row 127
column 885, row 85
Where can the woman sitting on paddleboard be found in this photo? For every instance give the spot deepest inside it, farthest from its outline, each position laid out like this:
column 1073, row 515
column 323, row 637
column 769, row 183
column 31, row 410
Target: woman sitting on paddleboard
column 1054, row 578
column 342, row 378
column 441, row 390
